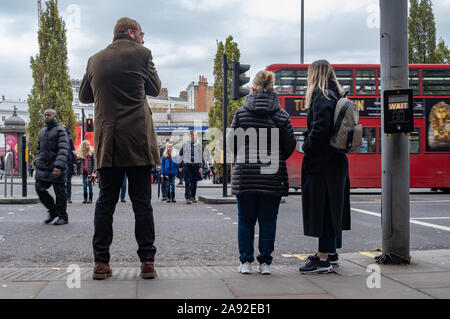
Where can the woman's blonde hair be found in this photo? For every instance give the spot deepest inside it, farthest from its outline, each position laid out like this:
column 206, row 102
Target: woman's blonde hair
column 84, row 149
column 166, row 151
column 319, row 73
column 263, row 82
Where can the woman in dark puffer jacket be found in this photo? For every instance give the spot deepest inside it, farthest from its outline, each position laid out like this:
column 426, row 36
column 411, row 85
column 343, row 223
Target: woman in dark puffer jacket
column 261, row 140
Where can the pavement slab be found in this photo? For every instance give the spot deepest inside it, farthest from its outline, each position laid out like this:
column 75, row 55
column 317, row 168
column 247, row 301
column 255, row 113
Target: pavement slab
column 427, row 280
column 20, row 290
column 440, row 293
column 182, row 289
column 258, row 285
column 355, row 287
column 98, row 289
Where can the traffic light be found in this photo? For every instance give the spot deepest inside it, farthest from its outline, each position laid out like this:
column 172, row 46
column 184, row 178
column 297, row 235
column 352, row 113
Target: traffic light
column 237, row 80
column 89, row 125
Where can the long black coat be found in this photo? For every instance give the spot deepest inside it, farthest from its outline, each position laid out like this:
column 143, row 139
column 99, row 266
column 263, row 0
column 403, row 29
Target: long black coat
column 261, row 110
column 52, row 151
column 325, row 180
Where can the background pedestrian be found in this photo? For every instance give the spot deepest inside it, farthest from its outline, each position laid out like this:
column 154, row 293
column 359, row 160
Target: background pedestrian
column 87, row 160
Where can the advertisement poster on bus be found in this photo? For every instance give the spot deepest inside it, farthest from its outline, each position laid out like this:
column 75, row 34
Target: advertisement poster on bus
column 11, row 146
column 437, row 123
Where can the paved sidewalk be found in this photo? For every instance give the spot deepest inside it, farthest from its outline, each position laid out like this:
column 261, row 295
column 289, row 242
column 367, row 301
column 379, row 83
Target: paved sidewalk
column 427, row 277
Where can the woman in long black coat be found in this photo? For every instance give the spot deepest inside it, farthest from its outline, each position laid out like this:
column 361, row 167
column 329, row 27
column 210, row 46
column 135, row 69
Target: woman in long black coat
column 325, row 181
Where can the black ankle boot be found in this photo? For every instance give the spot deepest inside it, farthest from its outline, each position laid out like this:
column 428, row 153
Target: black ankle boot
column 173, row 197
column 90, row 197
column 85, row 195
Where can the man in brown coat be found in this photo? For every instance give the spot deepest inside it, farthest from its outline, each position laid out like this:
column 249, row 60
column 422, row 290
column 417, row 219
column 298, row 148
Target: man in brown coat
column 117, row 80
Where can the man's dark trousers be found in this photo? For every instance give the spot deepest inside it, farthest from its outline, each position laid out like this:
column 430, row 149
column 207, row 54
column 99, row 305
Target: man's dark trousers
column 58, row 209
column 190, row 180
column 139, row 190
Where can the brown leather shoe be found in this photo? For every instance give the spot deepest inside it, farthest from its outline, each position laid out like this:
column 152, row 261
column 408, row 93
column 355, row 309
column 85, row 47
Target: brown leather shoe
column 101, row 271
column 188, row 201
column 193, row 200
column 148, row 270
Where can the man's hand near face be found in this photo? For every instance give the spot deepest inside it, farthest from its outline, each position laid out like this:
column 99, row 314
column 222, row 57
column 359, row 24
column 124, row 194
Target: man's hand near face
column 56, row 172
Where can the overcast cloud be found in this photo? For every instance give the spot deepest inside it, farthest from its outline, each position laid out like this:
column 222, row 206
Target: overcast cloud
column 182, row 34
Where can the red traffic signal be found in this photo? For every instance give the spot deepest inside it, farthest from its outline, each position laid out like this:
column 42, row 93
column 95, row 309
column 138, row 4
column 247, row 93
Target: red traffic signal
column 89, row 125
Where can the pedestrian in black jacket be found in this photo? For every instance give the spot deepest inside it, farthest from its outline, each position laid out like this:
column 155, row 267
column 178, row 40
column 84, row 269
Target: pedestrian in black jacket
column 257, row 183
column 51, row 168
column 325, row 180
column 71, row 163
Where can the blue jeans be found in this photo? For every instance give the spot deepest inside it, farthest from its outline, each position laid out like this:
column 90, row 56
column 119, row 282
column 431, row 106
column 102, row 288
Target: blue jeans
column 123, row 190
column 170, row 184
column 86, row 184
column 264, row 209
column 69, row 186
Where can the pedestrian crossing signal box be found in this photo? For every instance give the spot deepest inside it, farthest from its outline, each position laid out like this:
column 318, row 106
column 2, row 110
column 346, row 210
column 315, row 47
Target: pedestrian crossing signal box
column 398, row 111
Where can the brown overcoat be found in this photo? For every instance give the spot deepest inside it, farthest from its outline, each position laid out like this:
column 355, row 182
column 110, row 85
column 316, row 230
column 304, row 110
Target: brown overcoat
column 117, row 81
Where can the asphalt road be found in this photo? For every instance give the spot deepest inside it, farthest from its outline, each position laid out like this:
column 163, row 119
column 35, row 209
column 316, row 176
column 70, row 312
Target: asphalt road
column 199, row 234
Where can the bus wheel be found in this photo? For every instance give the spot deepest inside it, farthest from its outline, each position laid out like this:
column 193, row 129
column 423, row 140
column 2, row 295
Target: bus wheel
column 445, row 190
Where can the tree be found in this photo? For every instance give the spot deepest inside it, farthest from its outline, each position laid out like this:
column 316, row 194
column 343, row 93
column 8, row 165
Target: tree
column 52, row 88
column 230, row 48
column 422, row 32
column 442, row 53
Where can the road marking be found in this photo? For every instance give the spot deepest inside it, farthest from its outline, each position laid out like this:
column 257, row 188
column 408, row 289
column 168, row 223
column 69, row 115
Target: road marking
column 301, row 256
column 219, row 213
column 11, row 213
column 234, row 223
column 411, row 201
column 287, row 255
column 411, row 220
column 368, row 254
column 214, row 210
column 227, row 218
column 431, row 218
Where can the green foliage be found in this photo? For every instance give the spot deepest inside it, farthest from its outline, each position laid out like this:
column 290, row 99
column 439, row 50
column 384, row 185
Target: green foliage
column 422, row 35
column 230, row 48
column 52, row 88
column 442, row 53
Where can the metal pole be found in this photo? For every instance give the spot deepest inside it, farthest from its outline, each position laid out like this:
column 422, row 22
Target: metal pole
column 395, row 157
column 302, row 34
column 24, row 167
column 225, row 122
column 82, row 125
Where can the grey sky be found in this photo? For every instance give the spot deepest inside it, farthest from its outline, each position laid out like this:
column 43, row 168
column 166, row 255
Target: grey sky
column 182, row 34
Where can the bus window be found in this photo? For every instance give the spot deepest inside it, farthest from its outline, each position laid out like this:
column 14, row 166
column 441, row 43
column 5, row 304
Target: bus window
column 291, row 81
column 414, row 141
column 345, row 79
column 414, row 81
column 436, row 82
column 365, row 82
column 369, row 144
column 298, row 133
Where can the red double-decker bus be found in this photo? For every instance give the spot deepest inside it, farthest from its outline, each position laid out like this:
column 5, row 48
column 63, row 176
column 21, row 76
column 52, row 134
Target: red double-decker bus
column 429, row 144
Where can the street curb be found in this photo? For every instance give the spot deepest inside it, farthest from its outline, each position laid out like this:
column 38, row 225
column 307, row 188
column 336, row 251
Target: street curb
column 223, row 200
column 20, row 200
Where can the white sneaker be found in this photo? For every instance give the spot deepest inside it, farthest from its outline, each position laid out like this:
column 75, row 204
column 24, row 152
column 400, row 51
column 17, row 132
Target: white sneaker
column 245, row 268
column 264, row 269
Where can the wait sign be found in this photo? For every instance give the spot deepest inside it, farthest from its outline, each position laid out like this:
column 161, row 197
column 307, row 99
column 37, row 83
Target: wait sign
column 398, row 111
